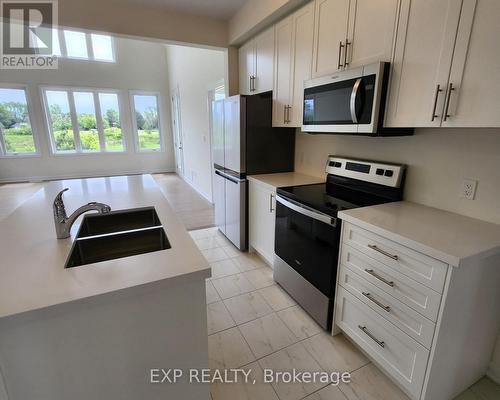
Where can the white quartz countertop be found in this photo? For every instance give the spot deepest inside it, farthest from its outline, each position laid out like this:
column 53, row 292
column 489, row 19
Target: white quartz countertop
column 283, row 179
column 449, row 237
column 32, row 273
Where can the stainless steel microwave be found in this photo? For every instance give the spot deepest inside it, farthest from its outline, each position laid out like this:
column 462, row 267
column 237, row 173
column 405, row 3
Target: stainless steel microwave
column 350, row 101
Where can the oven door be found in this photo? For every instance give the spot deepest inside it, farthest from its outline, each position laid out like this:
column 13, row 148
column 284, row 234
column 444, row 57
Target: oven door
column 308, row 241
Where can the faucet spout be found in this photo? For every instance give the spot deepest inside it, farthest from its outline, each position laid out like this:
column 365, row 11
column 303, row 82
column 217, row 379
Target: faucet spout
column 63, row 223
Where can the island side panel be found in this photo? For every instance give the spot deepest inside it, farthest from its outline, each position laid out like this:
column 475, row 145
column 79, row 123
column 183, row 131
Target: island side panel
column 105, row 349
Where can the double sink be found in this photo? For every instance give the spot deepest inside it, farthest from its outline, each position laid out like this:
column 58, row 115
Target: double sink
column 117, row 234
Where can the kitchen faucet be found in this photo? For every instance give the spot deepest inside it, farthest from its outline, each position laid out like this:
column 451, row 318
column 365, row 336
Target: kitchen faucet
column 64, row 223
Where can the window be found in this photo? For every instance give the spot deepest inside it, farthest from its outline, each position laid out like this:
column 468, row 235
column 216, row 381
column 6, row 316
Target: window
column 16, row 135
column 83, row 46
column 146, row 122
column 83, row 121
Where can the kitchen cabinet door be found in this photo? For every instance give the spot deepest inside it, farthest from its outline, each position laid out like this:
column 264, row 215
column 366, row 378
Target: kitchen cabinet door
column 264, row 61
column 261, row 217
column 475, row 72
column 246, row 56
column 421, row 63
column 372, row 24
column 332, row 18
column 282, row 71
column 303, row 37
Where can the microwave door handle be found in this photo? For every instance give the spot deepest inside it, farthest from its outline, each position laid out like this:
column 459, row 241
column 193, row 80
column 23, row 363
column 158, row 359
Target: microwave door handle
column 354, row 95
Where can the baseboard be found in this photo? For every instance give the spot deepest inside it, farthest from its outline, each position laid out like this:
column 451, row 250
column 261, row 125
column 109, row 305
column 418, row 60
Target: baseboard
column 83, row 175
column 196, row 189
column 494, row 374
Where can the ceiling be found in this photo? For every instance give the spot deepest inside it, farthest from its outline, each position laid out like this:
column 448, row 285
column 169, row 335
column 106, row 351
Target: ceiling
column 219, row 9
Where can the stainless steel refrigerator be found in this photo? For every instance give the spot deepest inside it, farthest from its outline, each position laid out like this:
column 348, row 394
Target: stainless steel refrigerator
column 244, row 143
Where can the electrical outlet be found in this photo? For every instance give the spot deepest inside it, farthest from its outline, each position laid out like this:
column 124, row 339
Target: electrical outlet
column 468, row 189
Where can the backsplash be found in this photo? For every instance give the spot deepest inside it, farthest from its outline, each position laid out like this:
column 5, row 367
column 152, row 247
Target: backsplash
column 438, row 160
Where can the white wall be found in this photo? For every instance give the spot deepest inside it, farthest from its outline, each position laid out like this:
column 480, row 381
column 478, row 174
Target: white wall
column 438, row 160
column 194, row 71
column 140, row 66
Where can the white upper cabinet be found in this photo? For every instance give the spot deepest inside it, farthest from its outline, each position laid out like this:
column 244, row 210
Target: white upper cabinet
column 475, row 72
column 372, row 25
column 264, row 61
column 422, row 59
column 331, row 25
column 282, row 71
column 246, row 55
column 256, row 63
column 292, row 65
column 303, row 34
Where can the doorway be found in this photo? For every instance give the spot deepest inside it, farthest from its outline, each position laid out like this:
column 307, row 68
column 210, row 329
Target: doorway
column 177, row 131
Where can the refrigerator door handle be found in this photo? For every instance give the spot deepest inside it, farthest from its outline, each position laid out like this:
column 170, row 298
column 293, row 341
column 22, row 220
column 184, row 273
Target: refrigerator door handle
column 229, row 178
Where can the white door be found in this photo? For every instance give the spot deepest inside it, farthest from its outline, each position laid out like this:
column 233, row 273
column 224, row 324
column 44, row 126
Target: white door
column 218, row 132
column 246, row 56
column 332, row 17
column 422, row 60
column 219, row 198
column 177, row 130
column 371, row 31
column 264, row 61
column 282, row 71
column 475, row 73
column 303, row 33
column 233, row 155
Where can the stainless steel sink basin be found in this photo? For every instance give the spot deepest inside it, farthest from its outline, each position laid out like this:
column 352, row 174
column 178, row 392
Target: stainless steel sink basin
column 118, row 234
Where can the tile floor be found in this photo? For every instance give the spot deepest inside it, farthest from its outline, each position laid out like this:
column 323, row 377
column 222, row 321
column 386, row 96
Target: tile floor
column 253, row 323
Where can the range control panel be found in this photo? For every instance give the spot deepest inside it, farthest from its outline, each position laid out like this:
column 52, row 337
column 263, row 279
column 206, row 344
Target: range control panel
column 368, row 171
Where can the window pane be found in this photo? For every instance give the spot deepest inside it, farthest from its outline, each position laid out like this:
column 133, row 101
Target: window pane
column 111, row 121
column 60, row 119
column 76, row 44
column 85, row 117
column 15, row 123
column 102, row 47
column 146, row 116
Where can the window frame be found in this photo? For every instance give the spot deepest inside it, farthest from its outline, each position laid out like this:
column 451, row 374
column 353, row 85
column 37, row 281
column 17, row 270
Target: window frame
column 135, row 131
column 88, row 42
column 70, row 90
column 34, row 133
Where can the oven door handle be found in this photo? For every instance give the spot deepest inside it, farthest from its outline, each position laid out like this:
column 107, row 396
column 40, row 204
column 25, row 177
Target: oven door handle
column 301, row 209
column 354, row 95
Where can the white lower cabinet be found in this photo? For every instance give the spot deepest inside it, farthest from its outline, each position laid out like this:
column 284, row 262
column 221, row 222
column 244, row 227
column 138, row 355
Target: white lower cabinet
column 261, row 219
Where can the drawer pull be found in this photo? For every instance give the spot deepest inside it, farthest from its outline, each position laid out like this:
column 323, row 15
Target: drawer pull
column 380, row 343
column 385, row 253
column 374, row 274
column 378, row 303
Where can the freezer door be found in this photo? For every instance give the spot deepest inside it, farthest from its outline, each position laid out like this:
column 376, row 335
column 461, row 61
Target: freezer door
column 218, row 132
column 236, row 212
column 234, row 134
column 220, row 201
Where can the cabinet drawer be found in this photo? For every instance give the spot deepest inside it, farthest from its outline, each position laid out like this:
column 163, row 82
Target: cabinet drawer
column 424, row 269
column 402, row 357
column 415, row 295
column 405, row 318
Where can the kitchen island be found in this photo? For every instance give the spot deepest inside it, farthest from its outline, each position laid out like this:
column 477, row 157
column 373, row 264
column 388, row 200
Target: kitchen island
column 96, row 331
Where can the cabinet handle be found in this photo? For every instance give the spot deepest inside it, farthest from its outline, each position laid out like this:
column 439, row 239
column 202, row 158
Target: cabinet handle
column 385, row 253
column 271, row 209
column 378, row 303
column 284, row 114
column 436, row 96
column 375, row 275
column 250, row 78
column 288, row 107
column 341, row 46
column 446, row 114
column 370, row 335
column 347, row 44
